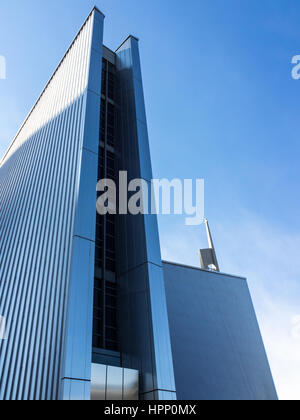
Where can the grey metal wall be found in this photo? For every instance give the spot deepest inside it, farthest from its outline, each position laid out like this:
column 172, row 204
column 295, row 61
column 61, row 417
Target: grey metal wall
column 114, row 383
column 217, row 348
column 144, row 328
column 47, row 211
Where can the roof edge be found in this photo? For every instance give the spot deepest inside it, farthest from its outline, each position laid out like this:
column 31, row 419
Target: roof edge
column 125, row 40
column 97, row 10
column 206, row 271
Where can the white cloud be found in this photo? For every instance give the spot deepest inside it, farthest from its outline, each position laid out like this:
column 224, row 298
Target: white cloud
column 269, row 258
column 283, row 346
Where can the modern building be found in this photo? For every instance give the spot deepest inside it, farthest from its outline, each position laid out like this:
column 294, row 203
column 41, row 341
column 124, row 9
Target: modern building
column 91, row 310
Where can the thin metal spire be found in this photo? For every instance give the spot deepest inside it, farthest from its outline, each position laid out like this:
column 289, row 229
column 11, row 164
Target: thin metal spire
column 208, row 257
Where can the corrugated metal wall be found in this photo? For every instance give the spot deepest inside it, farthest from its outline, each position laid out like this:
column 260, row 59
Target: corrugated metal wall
column 39, row 193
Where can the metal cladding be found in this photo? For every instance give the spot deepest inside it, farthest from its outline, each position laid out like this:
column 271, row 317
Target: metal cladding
column 217, row 347
column 43, row 201
column 144, row 327
column 114, row 383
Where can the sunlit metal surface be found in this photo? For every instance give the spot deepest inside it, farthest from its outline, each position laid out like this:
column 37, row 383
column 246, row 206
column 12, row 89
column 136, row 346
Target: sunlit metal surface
column 114, row 383
column 131, row 385
column 45, row 230
column 99, row 380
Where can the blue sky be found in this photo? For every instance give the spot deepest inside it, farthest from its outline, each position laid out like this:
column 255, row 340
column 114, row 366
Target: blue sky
column 221, row 105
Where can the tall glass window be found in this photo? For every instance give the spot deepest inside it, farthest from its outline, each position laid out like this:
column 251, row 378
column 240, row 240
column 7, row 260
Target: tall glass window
column 105, row 332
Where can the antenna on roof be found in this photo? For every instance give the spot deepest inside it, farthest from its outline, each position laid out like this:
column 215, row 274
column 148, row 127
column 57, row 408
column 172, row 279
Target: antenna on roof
column 208, row 258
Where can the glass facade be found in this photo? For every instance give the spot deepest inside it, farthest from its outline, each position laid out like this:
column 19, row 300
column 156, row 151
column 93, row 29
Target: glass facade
column 105, row 334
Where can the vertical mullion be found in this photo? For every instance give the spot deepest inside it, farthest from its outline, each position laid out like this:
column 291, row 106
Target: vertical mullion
column 105, row 218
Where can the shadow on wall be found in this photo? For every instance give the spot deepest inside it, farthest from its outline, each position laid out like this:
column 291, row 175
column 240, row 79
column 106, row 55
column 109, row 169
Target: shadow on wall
column 38, row 185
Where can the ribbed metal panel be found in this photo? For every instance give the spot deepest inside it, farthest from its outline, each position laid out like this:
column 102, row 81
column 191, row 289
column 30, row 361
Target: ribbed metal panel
column 39, row 190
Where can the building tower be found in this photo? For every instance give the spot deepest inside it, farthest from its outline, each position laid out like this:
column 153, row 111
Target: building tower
column 56, row 253
column 89, row 306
